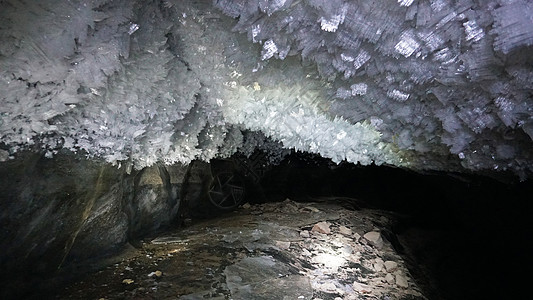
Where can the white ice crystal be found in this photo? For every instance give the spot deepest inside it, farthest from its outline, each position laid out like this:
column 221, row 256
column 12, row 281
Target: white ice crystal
column 256, row 29
column 347, row 58
column 407, row 44
column 359, row 89
column 402, row 82
column 473, row 32
column 398, row 95
column 332, row 24
column 361, row 59
column 269, row 49
column 513, row 23
column 405, row 2
column 133, row 27
column 286, row 113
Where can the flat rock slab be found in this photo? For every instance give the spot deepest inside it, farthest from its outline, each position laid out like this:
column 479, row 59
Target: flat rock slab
column 265, row 278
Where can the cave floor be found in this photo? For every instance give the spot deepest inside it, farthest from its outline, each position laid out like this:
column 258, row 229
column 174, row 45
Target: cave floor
column 283, row 250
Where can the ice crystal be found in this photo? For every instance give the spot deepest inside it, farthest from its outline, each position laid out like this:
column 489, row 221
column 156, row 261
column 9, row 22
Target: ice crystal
column 358, row 89
column 401, row 82
column 438, row 74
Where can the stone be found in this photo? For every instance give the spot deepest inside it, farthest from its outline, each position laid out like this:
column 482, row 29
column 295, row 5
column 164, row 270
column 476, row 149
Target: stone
column 4, row 155
column 361, row 288
column 389, row 278
column 156, row 274
column 401, row 281
column 265, row 278
column 310, row 208
column 327, row 287
column 246, row 205
column 322, row 227
column 374, row 238
column 378, row 265
column 391, row 266
column 345, row 230
column 330, row 262
column 346, row 250
column 283, row 245
column 304, row 233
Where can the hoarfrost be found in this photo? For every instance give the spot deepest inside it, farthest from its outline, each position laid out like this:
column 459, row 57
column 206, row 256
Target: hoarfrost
column 398, row 95
column 407, row 44
column 405, row 2
column 361, row 59
column 473, row 32
column 331, row 24
column 358, row 89
column 269, row 49
column 402, row 82
column 441, row 55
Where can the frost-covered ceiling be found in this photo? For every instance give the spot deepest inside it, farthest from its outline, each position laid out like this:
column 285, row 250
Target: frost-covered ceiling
column 427, row 84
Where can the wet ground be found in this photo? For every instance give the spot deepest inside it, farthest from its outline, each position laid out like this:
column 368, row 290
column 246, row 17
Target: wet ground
column 284, row 250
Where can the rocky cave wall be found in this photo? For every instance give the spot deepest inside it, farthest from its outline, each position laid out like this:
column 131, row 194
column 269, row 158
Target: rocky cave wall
column 68, row 211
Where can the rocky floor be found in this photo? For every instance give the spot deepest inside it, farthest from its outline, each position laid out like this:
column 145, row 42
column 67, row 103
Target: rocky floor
column 284, row 250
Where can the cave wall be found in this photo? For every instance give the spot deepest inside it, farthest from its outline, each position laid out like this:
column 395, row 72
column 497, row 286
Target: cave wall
column 68, row 210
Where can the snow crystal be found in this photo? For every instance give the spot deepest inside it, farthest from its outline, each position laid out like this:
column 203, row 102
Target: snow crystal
column 269, row 49
column 359, row 89
column 133, row 27
column 405, row 2
column 398, row 95
column 361, row 59
column 451, row 16
column 271, row 6
column 256, row 29
column 430, row 78
column 347, row 58
column 512, row 25
column 343, row 93
column 503, row 104
column 473, row 32
column 332, row 24
column 438, row 5
column 407, row 44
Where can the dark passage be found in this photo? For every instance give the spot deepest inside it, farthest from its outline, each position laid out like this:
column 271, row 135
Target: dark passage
column 464, row 236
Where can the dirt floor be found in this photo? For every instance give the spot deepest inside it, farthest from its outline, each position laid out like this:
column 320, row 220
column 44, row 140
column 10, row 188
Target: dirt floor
column 284, row 250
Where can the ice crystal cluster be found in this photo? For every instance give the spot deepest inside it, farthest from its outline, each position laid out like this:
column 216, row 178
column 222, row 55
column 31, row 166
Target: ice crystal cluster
column 434, row 84
column 449, row 81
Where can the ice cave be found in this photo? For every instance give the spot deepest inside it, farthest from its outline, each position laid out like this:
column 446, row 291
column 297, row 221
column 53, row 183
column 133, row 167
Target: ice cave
column 266, row 149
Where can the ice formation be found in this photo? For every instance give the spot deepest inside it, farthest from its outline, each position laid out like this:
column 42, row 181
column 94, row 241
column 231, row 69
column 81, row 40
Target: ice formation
column 426, row 84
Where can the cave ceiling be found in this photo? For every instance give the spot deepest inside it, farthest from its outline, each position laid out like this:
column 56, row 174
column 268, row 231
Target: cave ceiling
column 426, row 85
